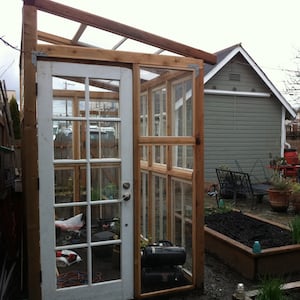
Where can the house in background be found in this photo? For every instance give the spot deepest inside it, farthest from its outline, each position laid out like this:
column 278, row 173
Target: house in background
column 244, row 116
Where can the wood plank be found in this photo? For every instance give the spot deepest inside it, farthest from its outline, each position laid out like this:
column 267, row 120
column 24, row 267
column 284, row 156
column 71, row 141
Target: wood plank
column 166, row 140
column 198, row 179
column 145, row 59
column 79, row 33
column 30, row 154
column 81, row 94
column 123, row 30
column 53, row 39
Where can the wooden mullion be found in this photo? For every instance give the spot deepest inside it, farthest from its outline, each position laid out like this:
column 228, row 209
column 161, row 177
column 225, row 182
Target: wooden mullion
column 167, row 140
column 80, row 94
column 198, row 179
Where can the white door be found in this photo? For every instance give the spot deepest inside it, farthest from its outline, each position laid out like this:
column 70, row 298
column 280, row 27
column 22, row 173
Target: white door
column 85, row 181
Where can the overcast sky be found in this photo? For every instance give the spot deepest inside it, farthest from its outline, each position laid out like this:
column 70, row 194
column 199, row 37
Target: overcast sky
column 267, row 29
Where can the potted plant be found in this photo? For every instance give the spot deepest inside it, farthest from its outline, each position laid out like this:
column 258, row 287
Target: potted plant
column 280, row 192
column 295, row 197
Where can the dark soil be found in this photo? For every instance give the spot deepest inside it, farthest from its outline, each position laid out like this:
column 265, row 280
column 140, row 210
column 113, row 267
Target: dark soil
column 247, row 230
column 220, row 280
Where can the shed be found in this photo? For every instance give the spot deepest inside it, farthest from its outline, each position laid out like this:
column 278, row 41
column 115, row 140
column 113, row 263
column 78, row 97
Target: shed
column 110, row 147
column 244, row 116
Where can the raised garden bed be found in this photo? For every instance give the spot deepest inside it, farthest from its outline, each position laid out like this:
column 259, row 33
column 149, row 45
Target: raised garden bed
column 230, row 237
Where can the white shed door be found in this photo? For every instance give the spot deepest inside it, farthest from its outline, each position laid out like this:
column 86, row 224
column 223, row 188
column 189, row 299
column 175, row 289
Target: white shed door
column 85, row 181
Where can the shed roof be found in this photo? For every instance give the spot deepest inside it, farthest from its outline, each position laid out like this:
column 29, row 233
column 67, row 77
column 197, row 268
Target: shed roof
column 224, row 56
column 71, row 26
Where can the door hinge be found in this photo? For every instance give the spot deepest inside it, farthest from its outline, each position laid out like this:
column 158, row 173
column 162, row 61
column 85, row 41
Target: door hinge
column 34, row 56
column 38, row 183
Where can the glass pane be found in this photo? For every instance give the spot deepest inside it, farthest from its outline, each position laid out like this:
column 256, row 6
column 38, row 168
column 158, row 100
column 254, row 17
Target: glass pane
column 182, row 194
column 106, row 227
column 159, row 112
column 183, row 156
column 106, row 217
column 144, row 115
column 71, row 267
column 144, row 206
column 104, row 140
column 106, row 263
column 63, row 139
column 64, row 189
column 105, row 183
column 70, row 184
column 104, row 108
column 70, row 225
column 160, row 209
column 183, row 108
column 62, row 107
column 160, row 154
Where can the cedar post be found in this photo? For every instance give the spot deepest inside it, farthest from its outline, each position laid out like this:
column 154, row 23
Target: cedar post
column 30, row 152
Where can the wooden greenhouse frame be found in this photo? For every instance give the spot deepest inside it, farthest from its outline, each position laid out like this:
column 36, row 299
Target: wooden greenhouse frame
column 61, row 49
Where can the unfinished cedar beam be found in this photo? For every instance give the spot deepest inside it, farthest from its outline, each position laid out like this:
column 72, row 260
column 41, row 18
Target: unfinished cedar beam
column 30, row 154
column 83, row 53
column 79, row 33
column 53, row 39
column 123, row 30
column 58, row 40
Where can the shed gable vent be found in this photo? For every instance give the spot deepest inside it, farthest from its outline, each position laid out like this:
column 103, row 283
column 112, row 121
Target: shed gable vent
column 234, row 77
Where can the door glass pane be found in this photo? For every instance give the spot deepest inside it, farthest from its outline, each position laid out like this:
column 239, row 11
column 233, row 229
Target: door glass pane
column 86, row 129
column 70, row 225
column 105, row 183
column 104, row 108
column 71, row 268
column 106, row 227
column 104, row 139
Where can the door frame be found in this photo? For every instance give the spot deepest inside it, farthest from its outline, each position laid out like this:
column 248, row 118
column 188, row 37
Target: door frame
column 96, row 56
column 123, row 287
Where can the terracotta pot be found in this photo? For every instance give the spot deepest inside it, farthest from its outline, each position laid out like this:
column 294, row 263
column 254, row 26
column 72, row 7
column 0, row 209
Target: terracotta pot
column 295, row 200
column 279, row 199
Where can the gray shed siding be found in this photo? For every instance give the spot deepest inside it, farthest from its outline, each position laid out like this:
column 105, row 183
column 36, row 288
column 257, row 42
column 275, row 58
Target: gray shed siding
column 240, row 132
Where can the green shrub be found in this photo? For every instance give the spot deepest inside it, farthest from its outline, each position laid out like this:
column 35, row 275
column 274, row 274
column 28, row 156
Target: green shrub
column 270, row 289
column 295, row 229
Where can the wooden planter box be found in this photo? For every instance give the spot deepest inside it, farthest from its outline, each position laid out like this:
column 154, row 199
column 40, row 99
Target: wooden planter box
column 272, row 261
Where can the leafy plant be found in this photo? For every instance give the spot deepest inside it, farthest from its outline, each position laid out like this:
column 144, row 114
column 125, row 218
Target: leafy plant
column 271, row 289
column 15, row 115
column 280, row 182
column 295, row 229
column 218, row 210
column 295, row 187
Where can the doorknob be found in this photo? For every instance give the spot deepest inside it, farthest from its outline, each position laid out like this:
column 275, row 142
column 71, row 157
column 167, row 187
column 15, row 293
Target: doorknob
column 126, row 196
